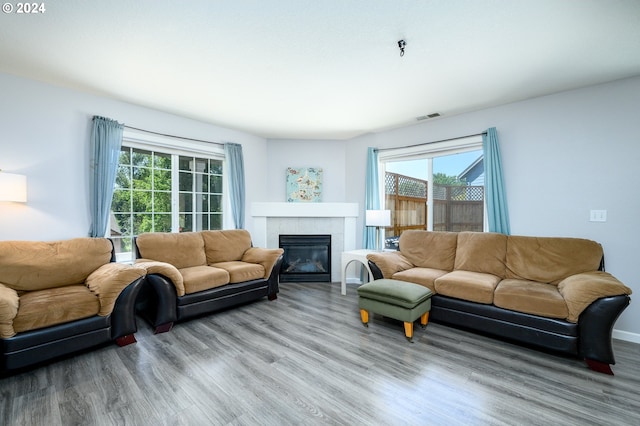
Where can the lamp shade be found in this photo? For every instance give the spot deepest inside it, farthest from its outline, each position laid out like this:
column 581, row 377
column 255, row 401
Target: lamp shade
column 378, row 217
column 13, row 187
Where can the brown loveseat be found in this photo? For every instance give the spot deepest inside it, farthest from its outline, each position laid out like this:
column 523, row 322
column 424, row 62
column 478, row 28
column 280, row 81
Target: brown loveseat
column 548, row 292
column 63, row 296
column 193, row 273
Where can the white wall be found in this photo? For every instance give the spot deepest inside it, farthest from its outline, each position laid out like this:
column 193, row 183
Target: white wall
column 562, row 155
column 329, row 155
column 44, row 134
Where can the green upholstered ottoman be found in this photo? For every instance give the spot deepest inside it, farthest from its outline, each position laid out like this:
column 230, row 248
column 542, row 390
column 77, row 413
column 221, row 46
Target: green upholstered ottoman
column 395, row 299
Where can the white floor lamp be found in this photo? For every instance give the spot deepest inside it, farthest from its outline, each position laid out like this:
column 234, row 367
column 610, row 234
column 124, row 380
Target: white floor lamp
column 378, row 218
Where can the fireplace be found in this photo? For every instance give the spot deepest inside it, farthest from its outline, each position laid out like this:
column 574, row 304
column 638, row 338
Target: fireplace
column 307, row 258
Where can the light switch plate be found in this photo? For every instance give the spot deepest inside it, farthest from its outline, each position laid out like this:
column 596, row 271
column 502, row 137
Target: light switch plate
column 598, row 216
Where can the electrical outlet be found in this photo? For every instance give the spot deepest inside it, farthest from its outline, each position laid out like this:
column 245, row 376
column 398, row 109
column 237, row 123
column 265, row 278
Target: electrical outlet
column 598, row 216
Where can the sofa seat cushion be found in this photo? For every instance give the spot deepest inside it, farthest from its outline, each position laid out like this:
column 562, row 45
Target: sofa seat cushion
column 198, row 278
column 241, row 271
column 472, row 286
column 530, row 297
column 423, row 276
column 44, row 308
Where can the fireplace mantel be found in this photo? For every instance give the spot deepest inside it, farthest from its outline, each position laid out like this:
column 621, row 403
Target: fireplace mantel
column 271, row 218
column 304, row 210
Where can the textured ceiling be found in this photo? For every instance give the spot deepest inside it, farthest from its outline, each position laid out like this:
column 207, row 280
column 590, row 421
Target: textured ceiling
column 322, row 69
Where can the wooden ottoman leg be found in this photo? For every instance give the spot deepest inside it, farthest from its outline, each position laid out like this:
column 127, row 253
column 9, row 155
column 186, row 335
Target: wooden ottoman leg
column 424, row 319
column 364, row 315
column 408, row 331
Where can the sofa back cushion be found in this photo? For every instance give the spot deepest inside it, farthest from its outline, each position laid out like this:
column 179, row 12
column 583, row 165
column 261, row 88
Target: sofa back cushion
column 37, row 265
column 182, row 250
column 484, row 252
column 226, row 246
column 550, row 259
column 427, row 249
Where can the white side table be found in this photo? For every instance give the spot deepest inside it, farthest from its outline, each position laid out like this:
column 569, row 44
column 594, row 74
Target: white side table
column 351, row 256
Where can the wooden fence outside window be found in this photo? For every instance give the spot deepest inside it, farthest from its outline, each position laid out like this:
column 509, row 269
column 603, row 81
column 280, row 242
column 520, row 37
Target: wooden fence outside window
column 456, row 207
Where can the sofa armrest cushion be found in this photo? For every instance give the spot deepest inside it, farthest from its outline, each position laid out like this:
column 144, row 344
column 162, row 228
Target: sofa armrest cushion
column 9, row 303
column 108, row 281
column 580, row 290
column 265, row 257
column 166, row 269
column 390, row 262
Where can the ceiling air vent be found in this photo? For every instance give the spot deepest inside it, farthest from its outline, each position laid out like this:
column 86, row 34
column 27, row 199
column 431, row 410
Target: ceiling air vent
column 428, row 116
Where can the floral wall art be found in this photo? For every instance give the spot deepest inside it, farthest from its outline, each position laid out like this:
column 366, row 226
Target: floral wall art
column 304, row 184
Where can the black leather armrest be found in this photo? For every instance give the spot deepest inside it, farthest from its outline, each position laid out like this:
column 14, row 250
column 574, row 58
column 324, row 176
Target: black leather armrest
column 123, row 316
column 375, row 271
column 596, row 325
column 158, row 300
column 274, row 279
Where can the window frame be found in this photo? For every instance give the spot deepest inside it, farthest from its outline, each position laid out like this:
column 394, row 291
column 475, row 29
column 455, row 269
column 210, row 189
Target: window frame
column 177, row 147
column 428, row 151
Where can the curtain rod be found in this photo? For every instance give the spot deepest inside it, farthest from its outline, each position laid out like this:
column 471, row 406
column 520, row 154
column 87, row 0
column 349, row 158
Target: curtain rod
column 428, row 143
column 173, row 136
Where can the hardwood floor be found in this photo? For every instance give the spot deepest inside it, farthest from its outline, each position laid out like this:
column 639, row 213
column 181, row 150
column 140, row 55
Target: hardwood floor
column 306, row 359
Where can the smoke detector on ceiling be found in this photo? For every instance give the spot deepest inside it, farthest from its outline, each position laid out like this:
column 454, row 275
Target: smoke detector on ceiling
column 428, row 116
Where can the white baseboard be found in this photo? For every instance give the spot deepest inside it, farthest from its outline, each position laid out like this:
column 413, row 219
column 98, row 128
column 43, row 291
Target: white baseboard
column 353, row 281
column 626, row 336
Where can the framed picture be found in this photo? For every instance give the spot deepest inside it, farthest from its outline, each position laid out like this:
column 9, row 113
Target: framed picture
column 304, row 185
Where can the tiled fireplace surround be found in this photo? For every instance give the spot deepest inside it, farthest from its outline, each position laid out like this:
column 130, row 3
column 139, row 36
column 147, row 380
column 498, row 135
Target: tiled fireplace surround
column 338, row 219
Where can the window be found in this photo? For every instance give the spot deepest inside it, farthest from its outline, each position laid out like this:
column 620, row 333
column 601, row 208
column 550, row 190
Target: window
column 438, row 187
column 200, row 194
column 164, row 189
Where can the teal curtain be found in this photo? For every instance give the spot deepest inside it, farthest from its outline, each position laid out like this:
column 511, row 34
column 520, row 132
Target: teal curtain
column 233, row 155
column 497, row 212
column 105, row 143
column 371, row 197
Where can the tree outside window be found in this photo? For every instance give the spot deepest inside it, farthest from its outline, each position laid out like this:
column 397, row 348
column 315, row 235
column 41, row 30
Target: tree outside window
column 144, row 195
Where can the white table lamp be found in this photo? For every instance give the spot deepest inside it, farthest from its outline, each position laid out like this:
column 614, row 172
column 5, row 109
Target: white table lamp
column 378, row 218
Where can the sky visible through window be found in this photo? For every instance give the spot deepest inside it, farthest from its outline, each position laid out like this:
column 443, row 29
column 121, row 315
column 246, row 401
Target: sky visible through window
column 451, row 165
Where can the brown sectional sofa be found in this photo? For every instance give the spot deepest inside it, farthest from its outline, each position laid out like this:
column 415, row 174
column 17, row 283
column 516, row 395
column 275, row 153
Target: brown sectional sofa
column 194, row 273
column 547, row 292
column 60, row 297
